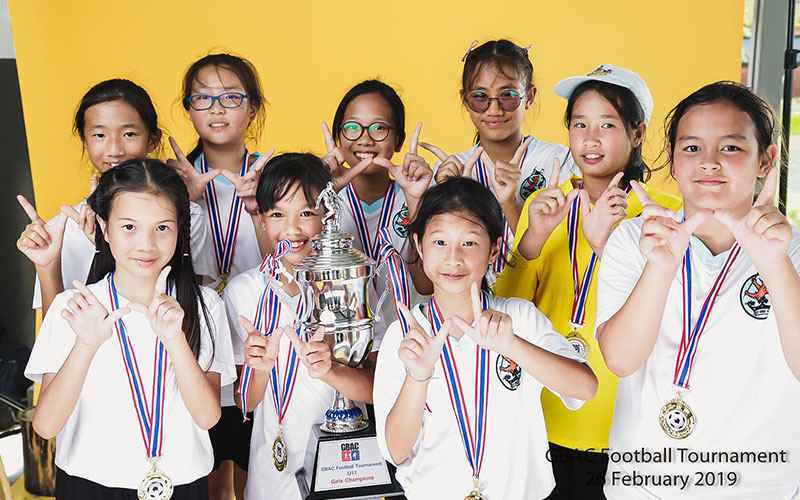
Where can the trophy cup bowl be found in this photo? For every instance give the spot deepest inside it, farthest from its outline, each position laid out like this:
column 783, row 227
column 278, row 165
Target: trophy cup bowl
column 334, row 278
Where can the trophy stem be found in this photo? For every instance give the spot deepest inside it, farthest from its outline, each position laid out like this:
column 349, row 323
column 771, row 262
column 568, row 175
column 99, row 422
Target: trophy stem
column 343, row 416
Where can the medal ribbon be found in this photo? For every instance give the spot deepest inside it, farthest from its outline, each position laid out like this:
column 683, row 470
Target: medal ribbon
column 397, row 273
column 266, row 321
column 224, row 243
column 508, row 236
column 474, row 440
column 151, row 418
column 370, row 244
column 691, row 337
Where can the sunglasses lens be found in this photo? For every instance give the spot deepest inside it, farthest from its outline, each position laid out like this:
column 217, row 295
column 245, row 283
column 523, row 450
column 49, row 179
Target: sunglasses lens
column 378, row 131
column 351, row 131
column 478, row 102
column 509, row 102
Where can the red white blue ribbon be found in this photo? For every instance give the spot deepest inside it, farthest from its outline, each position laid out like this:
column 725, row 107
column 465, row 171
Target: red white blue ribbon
column 508, row 235
column 580, row 286
column 267, row 319
column 398, row 277
column 370, row 245
column 472, row 437
column 690, row 338
column 224, row 242
column 151, row 417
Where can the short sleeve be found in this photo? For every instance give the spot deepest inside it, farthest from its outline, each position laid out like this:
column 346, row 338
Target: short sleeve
column 238, row 334
column 531, row 325
column 203, row 257
column 390, row 374
column 620, row 268
column 53, row 343
column 221, row 349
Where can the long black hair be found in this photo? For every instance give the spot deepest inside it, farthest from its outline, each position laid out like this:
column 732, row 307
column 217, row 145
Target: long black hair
column 460, row 194
column 153, row 177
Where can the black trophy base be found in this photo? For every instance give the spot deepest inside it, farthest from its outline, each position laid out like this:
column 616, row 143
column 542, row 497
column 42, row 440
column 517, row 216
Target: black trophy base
column 345, row 466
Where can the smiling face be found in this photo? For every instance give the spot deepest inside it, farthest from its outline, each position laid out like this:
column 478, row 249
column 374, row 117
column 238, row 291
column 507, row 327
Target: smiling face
column 598, row 139
column 293, row 219
column 456, row 252
column 496, row 124
column 220, row 126
column 113, row 133
column 716, row 159
column 365, row 110
column 142, row 232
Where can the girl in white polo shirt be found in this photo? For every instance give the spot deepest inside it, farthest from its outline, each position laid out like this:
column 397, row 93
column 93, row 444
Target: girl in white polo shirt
column 697, row 313
column 131, row 364
column 445, row 387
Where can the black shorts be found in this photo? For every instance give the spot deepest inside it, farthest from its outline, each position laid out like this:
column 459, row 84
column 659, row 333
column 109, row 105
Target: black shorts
column 579, row 474
column 73, row 487
column 230, row 438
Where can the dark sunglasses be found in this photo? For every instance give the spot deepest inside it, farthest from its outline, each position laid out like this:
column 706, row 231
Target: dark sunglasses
column 508, row 100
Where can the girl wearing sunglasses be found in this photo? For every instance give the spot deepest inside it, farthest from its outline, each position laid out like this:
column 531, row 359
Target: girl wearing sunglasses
column 496, row 89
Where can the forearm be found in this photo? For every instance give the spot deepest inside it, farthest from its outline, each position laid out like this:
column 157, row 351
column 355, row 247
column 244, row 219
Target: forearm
column 512, row 211
column 531, row 243
column 353, row 383
column 627, row 338
column 199, row 392
column 562, row 375
column 51, row 284
column 783, row 283
column 60, row 391
column 405, row 419
column 258, row 387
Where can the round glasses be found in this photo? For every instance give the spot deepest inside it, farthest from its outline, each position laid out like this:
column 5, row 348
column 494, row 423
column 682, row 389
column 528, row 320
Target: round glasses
column 229, row 100
column 508, row 100
column 378, row 131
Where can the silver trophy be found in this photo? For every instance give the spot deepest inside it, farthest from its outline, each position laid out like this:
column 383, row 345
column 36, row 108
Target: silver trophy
column 334, row 278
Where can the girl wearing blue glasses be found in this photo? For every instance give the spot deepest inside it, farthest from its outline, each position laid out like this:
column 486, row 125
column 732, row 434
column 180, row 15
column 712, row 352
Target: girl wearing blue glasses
column 497, row 89
column 222, row 95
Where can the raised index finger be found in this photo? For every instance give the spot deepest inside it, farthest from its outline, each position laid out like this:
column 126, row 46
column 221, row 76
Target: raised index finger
column 412, row 323
column 642, row 194
column 329, row 142
column 521, row 150
column 412, row 146
column 26, row 205
column 767, row 193
column 476, row 304
column 555, row 174
column 177, row 149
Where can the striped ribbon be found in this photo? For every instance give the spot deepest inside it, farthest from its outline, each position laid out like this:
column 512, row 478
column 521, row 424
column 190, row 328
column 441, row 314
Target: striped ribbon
column 690, row 337
column 370, row 245
column 473, row 438
column 151, row 417
column 224, row 243
column 580, row 286
column 398, row 277
column 508, row 235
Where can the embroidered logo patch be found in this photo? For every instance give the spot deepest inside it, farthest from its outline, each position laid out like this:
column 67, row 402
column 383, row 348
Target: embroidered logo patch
column 600, row 71
column 400, row 222
column 534, row 182
column 509, row 372
column 755, row 297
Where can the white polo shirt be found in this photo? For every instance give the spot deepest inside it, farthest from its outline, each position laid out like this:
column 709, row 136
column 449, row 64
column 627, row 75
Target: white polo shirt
column 398, row 229
column 743, row 394
column 515, row 464
column 310, row 399
column 101, row 440
column 77, row 252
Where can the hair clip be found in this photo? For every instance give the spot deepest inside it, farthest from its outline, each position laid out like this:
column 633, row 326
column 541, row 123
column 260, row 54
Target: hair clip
column 528, row 48
column 471, row 46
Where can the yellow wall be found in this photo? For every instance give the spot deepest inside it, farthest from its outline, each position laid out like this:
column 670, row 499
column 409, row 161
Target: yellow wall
column 309, row 53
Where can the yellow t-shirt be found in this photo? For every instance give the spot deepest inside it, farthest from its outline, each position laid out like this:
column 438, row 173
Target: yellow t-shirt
column 587, row 427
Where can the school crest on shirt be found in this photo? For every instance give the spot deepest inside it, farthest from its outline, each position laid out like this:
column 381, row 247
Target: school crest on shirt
column 755, row 297
column 509, row 372
column 400, row 222
column 534, row 182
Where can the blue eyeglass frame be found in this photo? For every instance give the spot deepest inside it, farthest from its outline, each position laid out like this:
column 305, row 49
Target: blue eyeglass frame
column 216, row 98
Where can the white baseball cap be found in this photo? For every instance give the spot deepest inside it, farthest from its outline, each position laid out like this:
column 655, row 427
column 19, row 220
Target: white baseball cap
column 615, row 76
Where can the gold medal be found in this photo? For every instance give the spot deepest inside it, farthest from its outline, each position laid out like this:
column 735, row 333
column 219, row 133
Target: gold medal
column 580, row 344
column 279, row 456
column 155, row 485
column 475, row 494
column 224, row 277
column 677, row 419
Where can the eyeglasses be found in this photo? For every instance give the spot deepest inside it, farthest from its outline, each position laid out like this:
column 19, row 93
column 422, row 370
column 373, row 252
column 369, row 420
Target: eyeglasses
column 508, row 100
column 378, row 131
column 202, row 102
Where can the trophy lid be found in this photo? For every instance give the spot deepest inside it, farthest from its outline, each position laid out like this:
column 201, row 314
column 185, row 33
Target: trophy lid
column 333, row 256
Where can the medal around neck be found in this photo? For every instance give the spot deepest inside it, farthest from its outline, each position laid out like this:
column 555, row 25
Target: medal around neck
column 475, row 494
column 279, row 456
column 580, row 345
column 334, row 278
column 155, row 485
column 677, row 419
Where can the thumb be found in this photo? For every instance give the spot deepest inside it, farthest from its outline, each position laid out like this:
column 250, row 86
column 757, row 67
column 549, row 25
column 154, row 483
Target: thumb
column 726, row 218
column 61, row 224
column 471, row 161
column 571, row 197
column 586, row 204
column 443, row 332
column 117, row 315
column 137, row 307
column 351, row 173
column 383, row 162
column 235, row 179
column 702, row 216
column 291, row 333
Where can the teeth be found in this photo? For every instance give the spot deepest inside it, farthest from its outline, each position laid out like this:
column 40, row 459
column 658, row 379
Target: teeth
column 592, row 156
column 216, row 125
column 366, row 155
column 298, row 244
